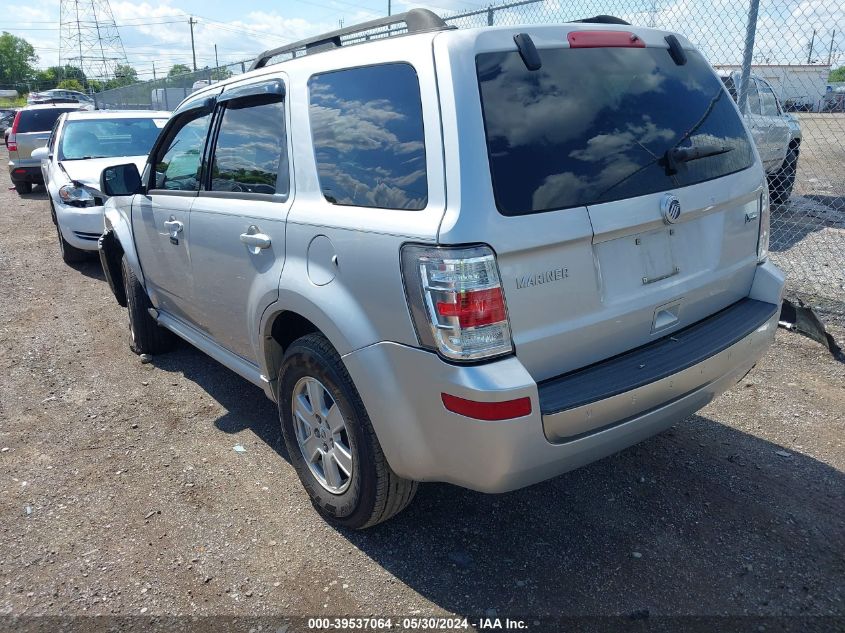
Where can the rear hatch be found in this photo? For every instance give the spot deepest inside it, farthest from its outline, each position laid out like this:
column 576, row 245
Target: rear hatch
column 34, row 129
column 607, row 236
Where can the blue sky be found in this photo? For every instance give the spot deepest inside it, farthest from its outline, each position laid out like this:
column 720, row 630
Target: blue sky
column 157, row 31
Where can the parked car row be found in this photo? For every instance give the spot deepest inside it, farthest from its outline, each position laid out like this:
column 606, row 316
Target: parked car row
column 80, row 146
column 480, row 256
column 59, row 95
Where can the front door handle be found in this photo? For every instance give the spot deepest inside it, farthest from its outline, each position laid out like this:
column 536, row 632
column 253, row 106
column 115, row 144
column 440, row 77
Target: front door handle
column 254, row 239
column 174, row 227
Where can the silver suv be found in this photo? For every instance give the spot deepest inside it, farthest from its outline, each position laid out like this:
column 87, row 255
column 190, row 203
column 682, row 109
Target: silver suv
column 483, row 256
column 30, row 130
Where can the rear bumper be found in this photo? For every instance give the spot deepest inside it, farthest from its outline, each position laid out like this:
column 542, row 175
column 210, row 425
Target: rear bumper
column 401, row 388
column 654, row 375
column 21, row 174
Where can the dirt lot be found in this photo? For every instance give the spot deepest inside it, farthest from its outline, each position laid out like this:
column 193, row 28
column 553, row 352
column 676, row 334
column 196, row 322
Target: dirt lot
column 121, row 494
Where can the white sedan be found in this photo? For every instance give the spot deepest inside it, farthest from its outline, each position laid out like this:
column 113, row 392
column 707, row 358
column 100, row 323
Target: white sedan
column 81, row 145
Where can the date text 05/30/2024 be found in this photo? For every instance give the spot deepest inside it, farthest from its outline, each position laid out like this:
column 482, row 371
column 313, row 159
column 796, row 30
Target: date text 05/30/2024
column 416, row 624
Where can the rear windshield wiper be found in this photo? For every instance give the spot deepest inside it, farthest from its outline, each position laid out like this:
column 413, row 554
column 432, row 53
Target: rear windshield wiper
column 678, row 155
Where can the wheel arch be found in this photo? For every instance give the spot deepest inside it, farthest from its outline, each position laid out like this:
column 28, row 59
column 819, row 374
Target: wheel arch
column 291, row 317
column 118, row 225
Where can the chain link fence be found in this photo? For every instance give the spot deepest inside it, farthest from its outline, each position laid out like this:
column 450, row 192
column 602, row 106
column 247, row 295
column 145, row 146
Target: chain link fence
column 776, row 55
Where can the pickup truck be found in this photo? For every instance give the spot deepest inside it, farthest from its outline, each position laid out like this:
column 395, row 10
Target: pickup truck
column 776, row 133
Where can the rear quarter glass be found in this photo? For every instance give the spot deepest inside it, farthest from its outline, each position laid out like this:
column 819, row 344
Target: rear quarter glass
column 594, row 125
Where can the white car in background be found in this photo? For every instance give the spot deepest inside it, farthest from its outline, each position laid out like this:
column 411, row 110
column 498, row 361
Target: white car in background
column 81, row 145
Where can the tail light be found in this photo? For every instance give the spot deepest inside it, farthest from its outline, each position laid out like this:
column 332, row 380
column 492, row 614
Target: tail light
column 456, row 301
column 763, row 235
column 12, row 142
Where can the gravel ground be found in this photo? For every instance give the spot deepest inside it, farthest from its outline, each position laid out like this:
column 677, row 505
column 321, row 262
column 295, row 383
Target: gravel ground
column 121, row 492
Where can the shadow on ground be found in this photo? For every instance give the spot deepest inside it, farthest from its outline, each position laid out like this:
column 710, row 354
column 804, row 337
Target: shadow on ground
column 38, row 193
column 796, row 219
column 702, row 519
column 91, row 267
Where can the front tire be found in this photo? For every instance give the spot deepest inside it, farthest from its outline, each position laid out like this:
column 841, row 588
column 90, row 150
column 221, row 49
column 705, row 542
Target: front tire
column 70, row 254
column 146, row 336
column 782, row 181
column 331, row 441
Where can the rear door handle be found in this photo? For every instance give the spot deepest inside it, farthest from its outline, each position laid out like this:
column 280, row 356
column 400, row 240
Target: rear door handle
column 255, row 240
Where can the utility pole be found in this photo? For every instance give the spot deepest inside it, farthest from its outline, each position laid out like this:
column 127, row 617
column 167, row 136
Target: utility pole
column 216, row 61
column 830, row 50
column 388, row 8
column 154, row 71
column 192, row 21
column 748, row 51
column 810, row 51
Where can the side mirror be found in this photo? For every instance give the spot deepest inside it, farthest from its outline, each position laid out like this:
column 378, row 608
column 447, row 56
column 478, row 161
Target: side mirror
column 41, row 153
column 121, row 180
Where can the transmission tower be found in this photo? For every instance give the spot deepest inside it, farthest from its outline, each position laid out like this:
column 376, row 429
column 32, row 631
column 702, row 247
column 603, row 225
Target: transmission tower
column 89, row 39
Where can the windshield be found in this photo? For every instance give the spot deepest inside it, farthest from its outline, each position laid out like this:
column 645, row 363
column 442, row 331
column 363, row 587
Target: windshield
column 597, row 124
column 105, row 138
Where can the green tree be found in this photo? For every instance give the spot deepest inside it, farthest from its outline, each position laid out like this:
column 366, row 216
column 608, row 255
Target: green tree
column 125, row 74
column 17, row 59
column 70, row 84
column 219, row 74
column 837, row 74
column 49, row 77
column 178, row 69
column 72, row 72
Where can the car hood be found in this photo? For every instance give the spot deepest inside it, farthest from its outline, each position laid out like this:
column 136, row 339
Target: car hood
column 88, row 171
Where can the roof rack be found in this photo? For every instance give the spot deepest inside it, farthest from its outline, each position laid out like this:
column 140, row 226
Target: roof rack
column 415, row 20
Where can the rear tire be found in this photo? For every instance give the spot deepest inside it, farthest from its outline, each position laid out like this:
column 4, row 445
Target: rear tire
column 23, row 187
column 70, row 254
column 783, row 180
column 146, row 336
column 371, row 492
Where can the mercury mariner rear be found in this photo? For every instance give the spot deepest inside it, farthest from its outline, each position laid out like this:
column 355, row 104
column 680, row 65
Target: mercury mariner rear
column 601, row 270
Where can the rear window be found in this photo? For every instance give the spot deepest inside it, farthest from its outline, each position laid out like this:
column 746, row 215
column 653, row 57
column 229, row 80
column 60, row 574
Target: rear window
column 594, row 125
column 40, row 120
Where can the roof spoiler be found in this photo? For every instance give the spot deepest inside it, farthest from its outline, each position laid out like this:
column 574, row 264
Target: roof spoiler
column 603, row 19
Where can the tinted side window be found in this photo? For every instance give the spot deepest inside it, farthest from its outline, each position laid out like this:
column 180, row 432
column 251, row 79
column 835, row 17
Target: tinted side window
column 250, row 148
column 368, row 137
column 179, row 160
